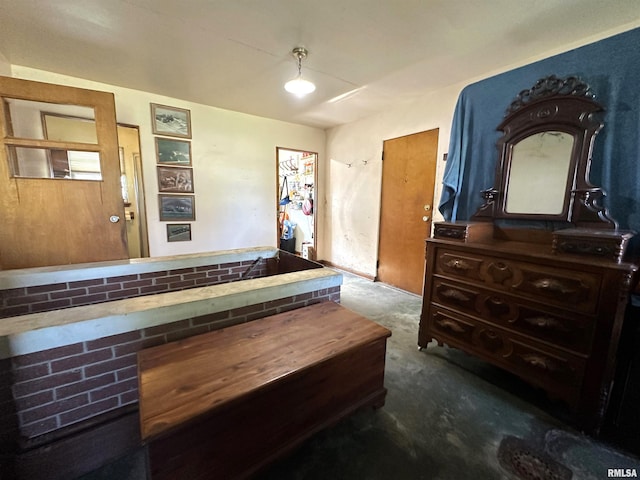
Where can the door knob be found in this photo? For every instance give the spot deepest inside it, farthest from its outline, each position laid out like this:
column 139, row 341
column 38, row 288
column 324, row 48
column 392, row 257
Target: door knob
column 114, row 218
column 427, row 208
column 425, row 218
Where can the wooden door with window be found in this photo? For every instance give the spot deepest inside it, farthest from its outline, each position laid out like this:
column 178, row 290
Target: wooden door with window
column 408, row 180
column 60, row 200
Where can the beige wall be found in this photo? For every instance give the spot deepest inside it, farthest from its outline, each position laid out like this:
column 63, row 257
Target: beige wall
column 234, row 167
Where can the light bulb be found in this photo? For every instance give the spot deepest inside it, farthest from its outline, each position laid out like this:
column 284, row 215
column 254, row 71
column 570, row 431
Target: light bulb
column 299, row 86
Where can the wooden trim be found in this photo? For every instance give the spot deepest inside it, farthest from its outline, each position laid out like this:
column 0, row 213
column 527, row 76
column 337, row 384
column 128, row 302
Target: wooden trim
column 348, row 270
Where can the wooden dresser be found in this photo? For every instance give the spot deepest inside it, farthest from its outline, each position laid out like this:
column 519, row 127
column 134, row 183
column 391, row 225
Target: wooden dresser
column 552, row 318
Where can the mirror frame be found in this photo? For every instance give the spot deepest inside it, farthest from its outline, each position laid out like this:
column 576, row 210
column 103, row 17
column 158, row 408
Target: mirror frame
column 552, row 104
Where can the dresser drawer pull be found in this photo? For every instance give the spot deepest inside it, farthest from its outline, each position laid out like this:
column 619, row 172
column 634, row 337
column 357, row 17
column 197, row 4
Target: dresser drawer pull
column 458, row 264
column 451, row 325
column 552, row 285
column 543, row 363
column 545, row 322
column 455, row 295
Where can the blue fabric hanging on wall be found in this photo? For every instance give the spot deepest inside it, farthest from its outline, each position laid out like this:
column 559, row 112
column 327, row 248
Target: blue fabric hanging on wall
column 611, row 67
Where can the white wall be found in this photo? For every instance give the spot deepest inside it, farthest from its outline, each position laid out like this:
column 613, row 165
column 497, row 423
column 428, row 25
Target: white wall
column 234, row 167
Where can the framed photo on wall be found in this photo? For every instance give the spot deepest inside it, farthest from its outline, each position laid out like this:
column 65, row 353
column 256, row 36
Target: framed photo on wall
column 177, row 208
column 178, row 232
column 173, row 152
column 175, row 180
column 170, row 121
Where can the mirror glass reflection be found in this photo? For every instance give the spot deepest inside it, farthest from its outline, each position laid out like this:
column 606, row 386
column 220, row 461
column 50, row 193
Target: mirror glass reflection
column 538, row 174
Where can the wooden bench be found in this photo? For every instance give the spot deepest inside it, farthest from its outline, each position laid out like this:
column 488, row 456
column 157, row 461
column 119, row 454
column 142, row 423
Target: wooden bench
column 226, row 403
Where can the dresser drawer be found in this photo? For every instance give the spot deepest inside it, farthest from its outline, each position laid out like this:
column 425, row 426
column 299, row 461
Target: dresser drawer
column 576, row 290
column 559, row 372
column 563, row 329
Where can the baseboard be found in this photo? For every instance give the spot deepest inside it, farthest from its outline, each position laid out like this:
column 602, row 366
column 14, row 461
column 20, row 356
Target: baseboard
column 348, row 270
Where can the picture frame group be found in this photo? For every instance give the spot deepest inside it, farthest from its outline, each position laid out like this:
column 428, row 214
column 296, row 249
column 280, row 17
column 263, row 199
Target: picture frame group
column 176, row 199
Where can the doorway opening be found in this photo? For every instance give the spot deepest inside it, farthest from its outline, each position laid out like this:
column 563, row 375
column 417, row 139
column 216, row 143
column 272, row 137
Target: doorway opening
column 296, row 172
column 133, row 191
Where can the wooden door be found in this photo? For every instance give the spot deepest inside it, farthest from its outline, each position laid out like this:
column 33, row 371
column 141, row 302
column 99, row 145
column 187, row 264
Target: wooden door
column 47, row 218
column 408, row 179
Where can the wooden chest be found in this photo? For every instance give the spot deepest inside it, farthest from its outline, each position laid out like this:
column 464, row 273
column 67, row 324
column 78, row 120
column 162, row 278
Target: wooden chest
column 226, row 403
column 553, row 320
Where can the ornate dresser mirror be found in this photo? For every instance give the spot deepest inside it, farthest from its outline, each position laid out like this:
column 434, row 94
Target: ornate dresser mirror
column 545, row 155
column 544, row 303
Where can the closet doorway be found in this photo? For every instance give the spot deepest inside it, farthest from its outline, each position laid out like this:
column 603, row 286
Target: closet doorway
column 296, row 172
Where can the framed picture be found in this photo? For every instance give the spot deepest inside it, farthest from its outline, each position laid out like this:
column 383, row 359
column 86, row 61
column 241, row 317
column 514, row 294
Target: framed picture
column 173, row 152
column 177, row 207
column 178, row 232
column 170, row 121
column 175, row 180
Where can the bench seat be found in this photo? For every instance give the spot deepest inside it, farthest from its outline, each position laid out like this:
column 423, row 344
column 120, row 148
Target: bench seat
column 228, row 402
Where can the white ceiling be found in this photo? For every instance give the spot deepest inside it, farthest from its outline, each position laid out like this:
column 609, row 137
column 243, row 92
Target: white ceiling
column 364, row 55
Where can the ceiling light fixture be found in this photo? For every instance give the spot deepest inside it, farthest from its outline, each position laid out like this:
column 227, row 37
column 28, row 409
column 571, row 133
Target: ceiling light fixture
column 299, row 86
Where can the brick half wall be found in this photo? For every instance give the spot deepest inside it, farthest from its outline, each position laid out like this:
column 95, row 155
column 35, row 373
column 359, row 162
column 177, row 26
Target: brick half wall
column 59, row 387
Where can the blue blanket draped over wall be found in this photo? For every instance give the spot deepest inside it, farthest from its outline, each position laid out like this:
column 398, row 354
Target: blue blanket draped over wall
column 611, row 67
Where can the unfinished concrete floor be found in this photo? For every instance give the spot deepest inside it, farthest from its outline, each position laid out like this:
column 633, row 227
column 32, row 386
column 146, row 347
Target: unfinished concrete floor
column 447, row 416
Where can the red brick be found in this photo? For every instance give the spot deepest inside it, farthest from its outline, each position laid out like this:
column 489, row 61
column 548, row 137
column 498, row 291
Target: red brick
column 86, row 283
column 104, row 288
column 27, row 299
column 123, row 278
column 278, row 302
column 68, row 293
column 129, row 397
column 182, row 284
column 303, row 297
column 229, row 278
column 189, row 332
column 53, row 305
column 40, row 427
column 114, row 390
column 87, row 411
column 158, row 274
column 14, row 311
column 84, row 386
column 46, row 383
column 248, row 309
column 13, row 292
column 201, row 282
column 46, row 355
column 54, row 408
column 154, row 289
column 165, row 328
column 52, row 287
column 110, row 366
column 169, row 279
column 138, row 283
column 133, row 292
column 206, row 268
column 113, row 340
column 31, row 401
column 89, row 299
column 266, row 313
column 210, row 318
column 127, row 373
column 135, row 347
column 181, row 271
column 195, row 276
column 82, row 360
column 31, row 372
